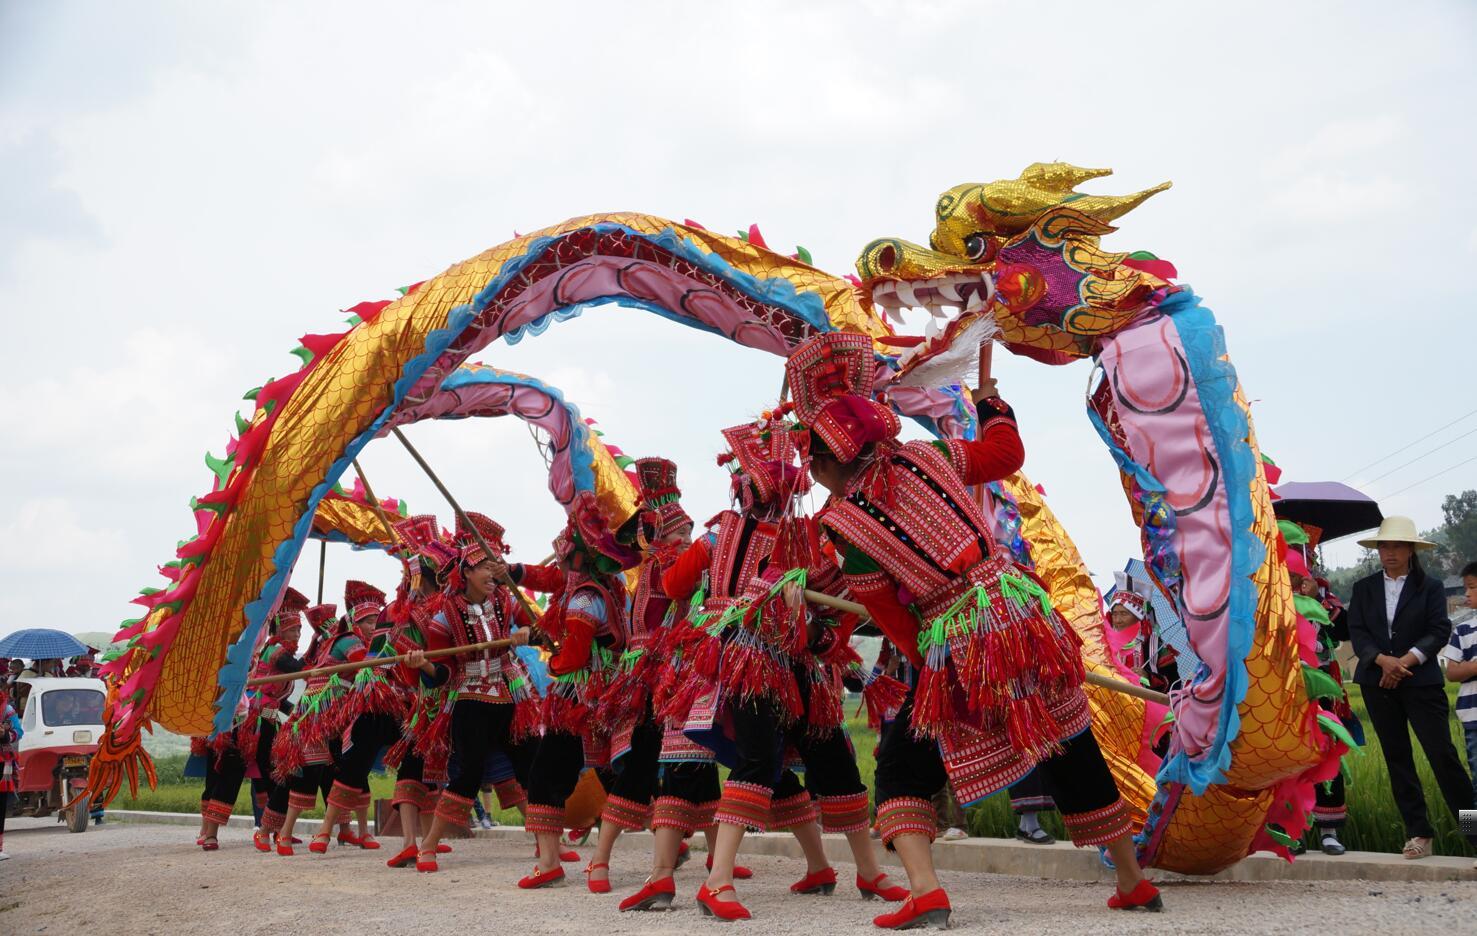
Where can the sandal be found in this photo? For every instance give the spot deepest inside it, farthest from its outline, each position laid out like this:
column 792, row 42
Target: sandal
column 1037, row 836
column 1417, row 848
column 209, row 843
column 319, row 843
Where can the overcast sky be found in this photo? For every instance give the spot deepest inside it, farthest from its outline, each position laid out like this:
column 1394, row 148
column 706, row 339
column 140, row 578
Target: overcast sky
column 187, row 188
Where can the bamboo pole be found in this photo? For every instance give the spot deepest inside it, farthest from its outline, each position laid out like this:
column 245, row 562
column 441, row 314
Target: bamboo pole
column 528, row 606
column 502, row 644
column 374, row 502
column 1104, row 682
column 322, row 562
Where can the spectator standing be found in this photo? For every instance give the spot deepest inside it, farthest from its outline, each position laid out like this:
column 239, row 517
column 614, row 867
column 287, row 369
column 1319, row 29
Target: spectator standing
column 1461, row 667
column 10, row 736
column 1398, row 624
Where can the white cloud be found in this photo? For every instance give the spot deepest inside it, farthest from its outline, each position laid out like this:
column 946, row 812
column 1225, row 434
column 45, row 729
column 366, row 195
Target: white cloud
column 47, row 533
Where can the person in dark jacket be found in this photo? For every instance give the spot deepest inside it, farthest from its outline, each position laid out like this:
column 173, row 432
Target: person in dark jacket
column 1398, row 624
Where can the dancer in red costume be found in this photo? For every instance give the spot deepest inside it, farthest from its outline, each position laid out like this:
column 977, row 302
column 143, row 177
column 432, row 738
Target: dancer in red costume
column 774, row 671
column 370, row 712
column 270, row 706
column 626, row 708
column 586, row 616
column 431, row 559
column 493, row 703
column 998, row 687
column 302, row 756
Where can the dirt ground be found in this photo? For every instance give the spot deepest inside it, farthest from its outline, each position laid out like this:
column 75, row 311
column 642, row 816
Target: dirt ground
column 135, row 879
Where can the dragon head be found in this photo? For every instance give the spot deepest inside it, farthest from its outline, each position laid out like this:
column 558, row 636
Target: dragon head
column 1025, row 252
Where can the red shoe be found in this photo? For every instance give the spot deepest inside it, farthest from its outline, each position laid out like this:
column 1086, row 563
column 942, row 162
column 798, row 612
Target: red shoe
column 819, row 882
column 725, row 910
column 404, row 858
column 425, row 862
column 1144, row 896
column 932, row 909
column 368, row 842
column 870, row 890
column 653, row 895
column 296, row 840
column 346, row 837
column 597, row 887
column 740, row 873
column 209, row 843
column 284, row 846
column 537, row 879
column 442, row 848
column 319, row 844
column 262, row 841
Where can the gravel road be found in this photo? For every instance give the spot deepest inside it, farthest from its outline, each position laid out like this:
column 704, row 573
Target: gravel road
column 137, row 879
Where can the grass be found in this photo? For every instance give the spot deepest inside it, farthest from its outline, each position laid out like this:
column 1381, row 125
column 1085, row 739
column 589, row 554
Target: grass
column 1374, row 823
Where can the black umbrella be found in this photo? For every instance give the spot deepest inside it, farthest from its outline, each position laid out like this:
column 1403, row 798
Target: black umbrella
column 1337, row 509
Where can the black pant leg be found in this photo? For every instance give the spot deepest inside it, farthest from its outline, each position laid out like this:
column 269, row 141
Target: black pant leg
column 1387, row 714
column 693, row 782
column 1430, row 717
column 556, row 769
column 230, row 771
column 637, row 778
column 907, row 766
column 760, row 744
column 830, row 763
column 1078, row 778
column 472, row 729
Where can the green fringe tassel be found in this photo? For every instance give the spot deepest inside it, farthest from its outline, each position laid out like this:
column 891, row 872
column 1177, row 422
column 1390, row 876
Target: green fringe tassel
column 963, row 617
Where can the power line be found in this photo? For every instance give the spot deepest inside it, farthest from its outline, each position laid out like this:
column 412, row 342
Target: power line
column 1419, row 457
column 1434, row 476
column 1408, row 446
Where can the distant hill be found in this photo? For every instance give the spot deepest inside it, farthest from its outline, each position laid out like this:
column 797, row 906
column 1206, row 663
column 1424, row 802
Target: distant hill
column 98, row 639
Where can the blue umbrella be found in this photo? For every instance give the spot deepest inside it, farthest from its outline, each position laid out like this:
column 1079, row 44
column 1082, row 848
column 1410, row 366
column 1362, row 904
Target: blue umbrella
column 41, row 643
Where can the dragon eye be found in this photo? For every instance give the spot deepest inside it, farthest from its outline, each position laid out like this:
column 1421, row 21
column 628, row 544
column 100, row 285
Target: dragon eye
column 980, row 248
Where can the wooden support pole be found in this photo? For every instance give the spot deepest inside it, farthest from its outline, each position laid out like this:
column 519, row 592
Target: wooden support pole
column 374, row 502
column 528, row 606
column 502, row 644
column 322, row 563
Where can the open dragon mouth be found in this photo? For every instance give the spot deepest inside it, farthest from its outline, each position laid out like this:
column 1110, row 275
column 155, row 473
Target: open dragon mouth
column 942, row 296
column 961, row 319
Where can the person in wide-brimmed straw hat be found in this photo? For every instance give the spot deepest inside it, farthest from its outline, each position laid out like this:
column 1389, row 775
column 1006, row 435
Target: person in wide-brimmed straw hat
column 1397, row 624
column 1397, row 530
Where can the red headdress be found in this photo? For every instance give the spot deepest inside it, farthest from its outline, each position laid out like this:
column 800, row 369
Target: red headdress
column 491, row 531
column 769, row 460
column 320, row 617
column 289, row 609
column 1129, row 595
column 830, row 378
column 657, row 480
column 362, row 600
column 421, row 534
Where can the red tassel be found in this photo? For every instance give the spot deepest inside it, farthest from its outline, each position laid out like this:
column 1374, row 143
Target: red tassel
column 525, row 719
column 288, row 754
column 883, row 696
column 825, row 711
column 931, row 704
column 706, row 657
column 395, row 756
